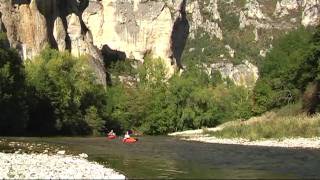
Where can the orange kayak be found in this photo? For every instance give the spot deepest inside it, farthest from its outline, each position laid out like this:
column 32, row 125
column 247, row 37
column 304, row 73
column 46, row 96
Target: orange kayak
column 112, row 136
column 130, row 140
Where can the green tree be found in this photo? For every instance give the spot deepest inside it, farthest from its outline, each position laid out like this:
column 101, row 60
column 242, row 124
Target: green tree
column 278, row 84
column 94, row 121
column 13, row 107
column 69, row 86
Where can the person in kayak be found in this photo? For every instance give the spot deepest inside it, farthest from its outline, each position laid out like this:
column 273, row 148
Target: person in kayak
column 126, row 136
column 111, row 133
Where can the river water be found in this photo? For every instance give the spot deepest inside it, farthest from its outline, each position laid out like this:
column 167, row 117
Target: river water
column 168, row 157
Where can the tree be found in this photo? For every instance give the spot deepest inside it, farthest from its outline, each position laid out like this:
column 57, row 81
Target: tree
column 94, row 121
column 280, row 81
column 13, row 107
column 68, row 86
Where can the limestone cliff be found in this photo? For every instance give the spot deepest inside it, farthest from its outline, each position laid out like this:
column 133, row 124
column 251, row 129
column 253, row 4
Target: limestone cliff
column 98, row 28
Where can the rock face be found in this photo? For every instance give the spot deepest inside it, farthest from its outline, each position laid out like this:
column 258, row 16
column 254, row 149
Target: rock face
column 311, row 12
column 25, row 25
column 32, row 25
column 98, row 27
column 59, row 34
column 137, row 28
column 198, row 21
column 242, row 75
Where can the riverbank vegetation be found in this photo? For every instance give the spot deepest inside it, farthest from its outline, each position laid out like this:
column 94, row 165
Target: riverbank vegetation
column 187, row 101
column 288, row 122
column 290, row 73
column 57, row 94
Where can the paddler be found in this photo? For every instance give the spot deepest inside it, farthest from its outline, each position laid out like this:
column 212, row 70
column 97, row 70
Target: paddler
column 111, row 133
column 126, row 136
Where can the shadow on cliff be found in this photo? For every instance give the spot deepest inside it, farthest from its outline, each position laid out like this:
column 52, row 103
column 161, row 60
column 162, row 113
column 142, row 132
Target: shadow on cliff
column 180, row 34
column 52, row 9
column 111, row 56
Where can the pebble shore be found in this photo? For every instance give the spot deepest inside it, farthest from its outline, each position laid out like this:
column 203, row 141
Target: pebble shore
column 312, row 143
column 58, row 166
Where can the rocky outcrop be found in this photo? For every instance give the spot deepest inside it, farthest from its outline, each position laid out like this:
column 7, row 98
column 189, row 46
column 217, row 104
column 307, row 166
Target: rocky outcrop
column 242, row 75
column 137, row 28
column 59, row 34
column 311, row 12
column 253, row 15
column 283, row 7
column 32, row 25
column 199, row 22
column 26, row 27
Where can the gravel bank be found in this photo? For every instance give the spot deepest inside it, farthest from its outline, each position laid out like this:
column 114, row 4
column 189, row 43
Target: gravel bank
column 313, row 143
column 194, row 132
column 59, row 166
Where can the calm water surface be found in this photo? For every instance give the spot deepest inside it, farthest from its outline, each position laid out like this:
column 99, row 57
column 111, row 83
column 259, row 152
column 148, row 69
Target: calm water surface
column 167, row 157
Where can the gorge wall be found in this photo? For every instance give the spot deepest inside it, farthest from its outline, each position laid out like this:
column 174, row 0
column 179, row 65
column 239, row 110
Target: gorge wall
column 226, row 35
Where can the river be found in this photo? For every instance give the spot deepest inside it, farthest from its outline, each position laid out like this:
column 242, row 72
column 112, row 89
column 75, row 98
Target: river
column 168, row 157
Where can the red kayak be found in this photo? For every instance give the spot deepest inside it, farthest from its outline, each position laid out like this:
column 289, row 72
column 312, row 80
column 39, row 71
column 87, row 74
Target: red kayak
column 130, row 140
column 112, row 136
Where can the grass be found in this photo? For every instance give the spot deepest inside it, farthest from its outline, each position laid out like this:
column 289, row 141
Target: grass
column 273, row 125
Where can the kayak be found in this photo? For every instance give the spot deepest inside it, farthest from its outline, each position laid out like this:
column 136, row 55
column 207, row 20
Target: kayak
column 129, row 140
column 112, row 136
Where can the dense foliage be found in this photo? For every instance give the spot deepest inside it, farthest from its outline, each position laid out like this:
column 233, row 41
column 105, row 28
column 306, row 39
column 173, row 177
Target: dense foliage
column 288, row 70
column 156, row 105
column 65, row 95
column 55, row 93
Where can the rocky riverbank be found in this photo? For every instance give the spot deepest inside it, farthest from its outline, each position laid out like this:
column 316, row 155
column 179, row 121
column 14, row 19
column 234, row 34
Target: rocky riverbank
column 201, row 136
column 30, row 160
column 58, row 166
column 313, row 143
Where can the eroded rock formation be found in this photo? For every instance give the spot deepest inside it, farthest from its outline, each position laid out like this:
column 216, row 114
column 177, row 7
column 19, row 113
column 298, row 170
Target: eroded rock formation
column 245, row 74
